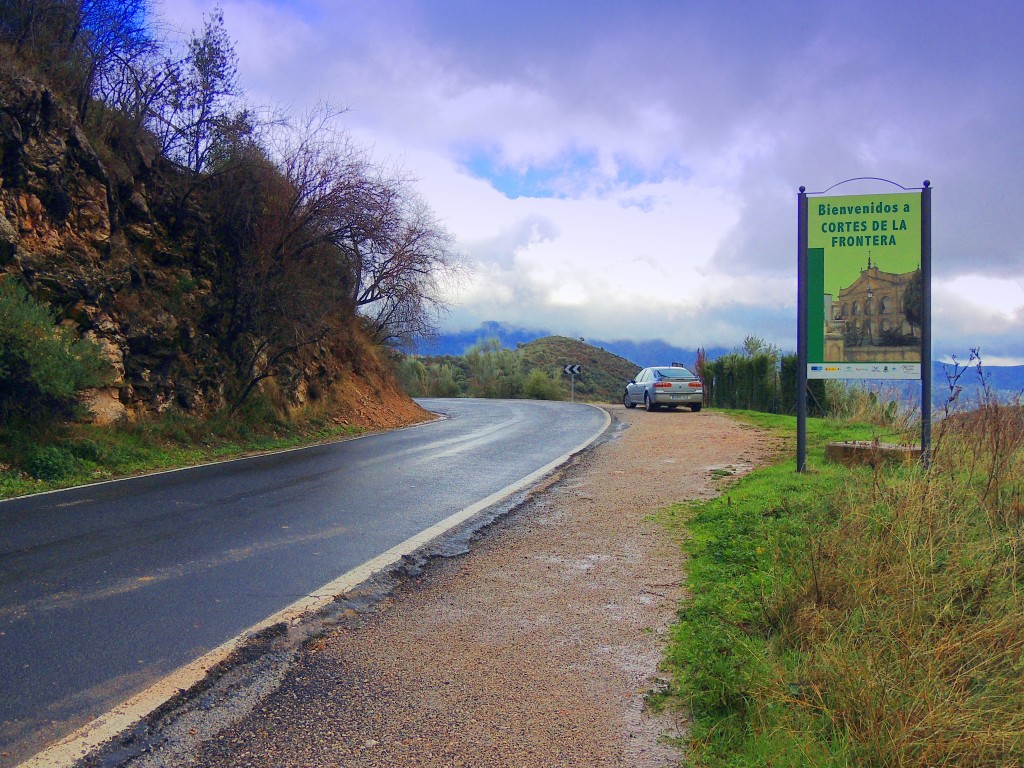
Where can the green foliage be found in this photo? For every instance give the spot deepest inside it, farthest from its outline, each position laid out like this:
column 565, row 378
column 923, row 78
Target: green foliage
column 50, row 462
column 413, row 377
column 759, row 377
column 540, row 386
column 849, row 402
column 604, row 374
column 754, row 346
column 860, row 617
column 43, row 366
column 742, row 380
column 83, row 453
column 494, row 371
column 446, row 380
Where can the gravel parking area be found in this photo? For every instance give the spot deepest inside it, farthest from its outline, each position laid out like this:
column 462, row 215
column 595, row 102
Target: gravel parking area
column 534, row 649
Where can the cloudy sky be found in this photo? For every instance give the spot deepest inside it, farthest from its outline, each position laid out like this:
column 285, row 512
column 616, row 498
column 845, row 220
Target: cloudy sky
column 623, row 170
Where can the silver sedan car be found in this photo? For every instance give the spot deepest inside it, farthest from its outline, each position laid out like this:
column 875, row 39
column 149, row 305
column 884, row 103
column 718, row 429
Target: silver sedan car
column 664, row 385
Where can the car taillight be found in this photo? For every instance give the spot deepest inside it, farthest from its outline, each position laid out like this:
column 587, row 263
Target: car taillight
column 662, row 384
column 696, row 384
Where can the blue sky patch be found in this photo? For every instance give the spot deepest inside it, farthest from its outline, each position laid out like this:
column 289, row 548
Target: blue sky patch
column 562, row 177
column 566, row 176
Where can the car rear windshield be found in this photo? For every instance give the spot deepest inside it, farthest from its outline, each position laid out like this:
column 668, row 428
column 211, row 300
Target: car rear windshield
column 673, row 373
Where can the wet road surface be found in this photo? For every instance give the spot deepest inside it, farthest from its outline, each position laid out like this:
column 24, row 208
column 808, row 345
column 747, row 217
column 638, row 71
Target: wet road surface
column 105, row 588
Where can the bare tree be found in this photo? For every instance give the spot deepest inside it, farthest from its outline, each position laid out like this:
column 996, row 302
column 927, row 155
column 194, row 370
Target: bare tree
column 399, row 257
column 115, row 39
column 285, row 282
column 84, row 47
column 320, row 235
column 401, row 268
column 202, row 110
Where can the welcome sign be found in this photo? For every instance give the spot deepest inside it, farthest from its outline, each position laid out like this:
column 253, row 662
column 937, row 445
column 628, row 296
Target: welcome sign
column 864, row 286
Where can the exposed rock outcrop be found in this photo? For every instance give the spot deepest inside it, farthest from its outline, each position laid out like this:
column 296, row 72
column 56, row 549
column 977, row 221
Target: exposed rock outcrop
column 102, row 235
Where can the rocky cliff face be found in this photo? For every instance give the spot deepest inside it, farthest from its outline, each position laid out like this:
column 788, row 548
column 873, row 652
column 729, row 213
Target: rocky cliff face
column 98, row 238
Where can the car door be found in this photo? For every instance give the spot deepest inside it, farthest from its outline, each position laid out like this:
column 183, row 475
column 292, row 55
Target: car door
column 636, row 389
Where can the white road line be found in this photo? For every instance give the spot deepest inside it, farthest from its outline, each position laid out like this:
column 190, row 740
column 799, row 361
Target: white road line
column 77, row 745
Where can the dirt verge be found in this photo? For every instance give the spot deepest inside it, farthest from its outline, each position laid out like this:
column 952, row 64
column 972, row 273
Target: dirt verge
column 534, row 649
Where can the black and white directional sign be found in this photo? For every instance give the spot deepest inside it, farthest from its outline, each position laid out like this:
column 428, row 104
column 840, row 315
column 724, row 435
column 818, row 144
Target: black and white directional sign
column 573, row 370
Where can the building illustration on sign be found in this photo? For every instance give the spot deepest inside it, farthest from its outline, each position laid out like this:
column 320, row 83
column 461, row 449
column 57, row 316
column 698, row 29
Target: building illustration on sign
column 876, row 318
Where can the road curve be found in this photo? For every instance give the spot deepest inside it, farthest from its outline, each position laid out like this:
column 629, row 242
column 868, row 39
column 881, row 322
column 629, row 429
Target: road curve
column 106, row 588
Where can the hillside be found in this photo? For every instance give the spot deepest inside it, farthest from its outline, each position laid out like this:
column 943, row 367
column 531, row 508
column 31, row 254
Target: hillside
column 193, row 304
column 532, row 370
column 604, row 374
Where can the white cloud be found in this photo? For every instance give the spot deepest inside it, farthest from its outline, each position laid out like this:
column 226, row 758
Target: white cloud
column 680, row 134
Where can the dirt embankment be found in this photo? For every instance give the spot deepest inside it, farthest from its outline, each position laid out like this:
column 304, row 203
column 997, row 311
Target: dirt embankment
column 535, row 649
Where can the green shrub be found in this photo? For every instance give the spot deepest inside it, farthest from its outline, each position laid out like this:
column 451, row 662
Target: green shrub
column 540, row 386
column 43, row 366
column 493, row 371
column 444, row 381
column 50, row 462
column 86, row 450
column 412, row 375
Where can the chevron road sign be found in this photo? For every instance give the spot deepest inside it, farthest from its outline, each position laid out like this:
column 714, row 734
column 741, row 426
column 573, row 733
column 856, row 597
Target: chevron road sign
column 573, row 371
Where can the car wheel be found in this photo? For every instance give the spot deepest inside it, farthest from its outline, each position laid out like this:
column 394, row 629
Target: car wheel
column 695, row 407
column 647, row 402
column 627, row 400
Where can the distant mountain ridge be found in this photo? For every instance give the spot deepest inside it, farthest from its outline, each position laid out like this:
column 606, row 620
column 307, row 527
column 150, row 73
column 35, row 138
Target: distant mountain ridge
column 641, row 353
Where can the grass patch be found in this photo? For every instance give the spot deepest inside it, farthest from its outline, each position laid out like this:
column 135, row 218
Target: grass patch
column 859, row 617
column 32, row 461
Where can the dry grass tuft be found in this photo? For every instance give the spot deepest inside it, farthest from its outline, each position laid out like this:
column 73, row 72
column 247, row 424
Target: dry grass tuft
column 908, row 613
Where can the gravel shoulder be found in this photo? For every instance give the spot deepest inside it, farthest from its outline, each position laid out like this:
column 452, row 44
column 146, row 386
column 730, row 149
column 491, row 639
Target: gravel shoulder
column 533, row 649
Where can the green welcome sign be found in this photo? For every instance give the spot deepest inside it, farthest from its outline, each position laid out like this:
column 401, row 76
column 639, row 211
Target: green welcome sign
column 864, row 286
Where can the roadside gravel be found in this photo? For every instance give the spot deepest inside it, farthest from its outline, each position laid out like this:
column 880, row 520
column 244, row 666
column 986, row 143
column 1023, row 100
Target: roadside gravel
column 534, row 649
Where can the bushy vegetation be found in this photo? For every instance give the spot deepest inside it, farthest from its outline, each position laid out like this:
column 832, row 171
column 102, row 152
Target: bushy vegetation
column 860, row 617
column 43, row 365
column 759, row 377
column 486, row 370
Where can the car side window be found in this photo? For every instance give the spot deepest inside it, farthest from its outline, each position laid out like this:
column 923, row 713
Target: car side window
column 642, row 377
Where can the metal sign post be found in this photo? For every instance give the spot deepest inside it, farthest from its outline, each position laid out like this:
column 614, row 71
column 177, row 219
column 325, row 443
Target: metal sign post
column 801, row 334
column 573, row 370
column 926, row 324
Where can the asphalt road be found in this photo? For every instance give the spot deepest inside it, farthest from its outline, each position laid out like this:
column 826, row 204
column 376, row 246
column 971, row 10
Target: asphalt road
column 106, row 588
